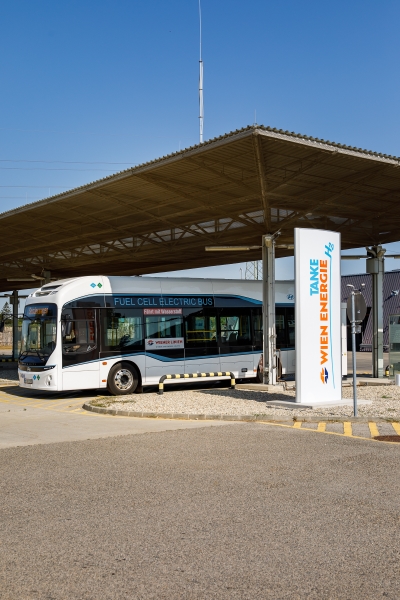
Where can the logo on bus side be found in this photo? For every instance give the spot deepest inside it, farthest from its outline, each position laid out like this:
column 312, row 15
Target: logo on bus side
column 164, row 343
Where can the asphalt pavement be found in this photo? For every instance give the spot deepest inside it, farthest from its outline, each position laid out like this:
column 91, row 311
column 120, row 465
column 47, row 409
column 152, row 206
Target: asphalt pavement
column 363, row 362
column 241, row 512
column 28, row 417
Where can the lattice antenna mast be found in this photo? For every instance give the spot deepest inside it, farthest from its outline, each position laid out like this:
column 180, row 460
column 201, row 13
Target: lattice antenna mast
column 253, row 270
column 201, row 116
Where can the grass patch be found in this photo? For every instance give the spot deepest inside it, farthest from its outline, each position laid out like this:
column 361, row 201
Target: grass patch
column 105, row 402
column 98, row 403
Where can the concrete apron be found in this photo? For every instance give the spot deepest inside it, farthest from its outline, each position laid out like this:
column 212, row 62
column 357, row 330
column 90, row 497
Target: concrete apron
column 282, row 386
column 292, row 404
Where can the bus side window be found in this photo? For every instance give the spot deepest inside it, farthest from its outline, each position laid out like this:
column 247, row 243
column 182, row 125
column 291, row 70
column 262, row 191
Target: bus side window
column 123, row 330
column 280, row 327
column 80, row 336
column 285, row 335
column 284, row 323
column 166, row 326
column 257, row 328
column 200, row 332
column 290, row 324
column 235, row 331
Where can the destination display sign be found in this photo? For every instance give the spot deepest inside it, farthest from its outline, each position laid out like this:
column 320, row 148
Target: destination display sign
column 36, row 310
column 40, row 310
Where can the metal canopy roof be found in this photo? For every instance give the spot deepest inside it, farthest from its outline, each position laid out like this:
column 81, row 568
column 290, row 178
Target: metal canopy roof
column 159, row 216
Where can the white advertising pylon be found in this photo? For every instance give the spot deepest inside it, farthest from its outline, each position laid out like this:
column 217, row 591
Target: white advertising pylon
column 318, row 319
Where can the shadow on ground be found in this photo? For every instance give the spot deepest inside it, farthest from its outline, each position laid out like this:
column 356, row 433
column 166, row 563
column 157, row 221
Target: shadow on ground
column 260, row 397
column 17, row 392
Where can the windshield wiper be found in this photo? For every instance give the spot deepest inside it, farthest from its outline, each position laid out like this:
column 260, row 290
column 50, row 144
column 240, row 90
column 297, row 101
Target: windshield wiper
column 31, row 351
column 41, row 356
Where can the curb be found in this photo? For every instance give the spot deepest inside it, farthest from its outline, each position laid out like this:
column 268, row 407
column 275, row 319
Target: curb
column 245, row 418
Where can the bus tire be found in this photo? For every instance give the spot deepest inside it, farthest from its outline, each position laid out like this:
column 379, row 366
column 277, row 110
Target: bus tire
column 122, row 379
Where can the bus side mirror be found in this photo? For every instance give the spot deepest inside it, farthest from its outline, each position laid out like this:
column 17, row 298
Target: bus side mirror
column 68, row 328
column 2, row 327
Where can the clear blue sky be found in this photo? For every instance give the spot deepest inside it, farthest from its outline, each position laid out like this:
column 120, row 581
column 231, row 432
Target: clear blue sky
column 91, row 83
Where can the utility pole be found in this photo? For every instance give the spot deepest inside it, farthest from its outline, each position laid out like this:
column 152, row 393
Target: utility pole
column 269, row 336
column 14, row 301
column 376, row 267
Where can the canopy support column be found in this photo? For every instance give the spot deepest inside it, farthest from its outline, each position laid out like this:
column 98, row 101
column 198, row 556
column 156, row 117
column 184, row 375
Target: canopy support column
column 376, row 267
column 14, row 300
column 269, row 337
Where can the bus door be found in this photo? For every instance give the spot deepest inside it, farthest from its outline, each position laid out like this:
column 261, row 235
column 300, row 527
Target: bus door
column 201, row 344
column 164, row 342
column 80, row 365
column 122, row 339
column 235, row 341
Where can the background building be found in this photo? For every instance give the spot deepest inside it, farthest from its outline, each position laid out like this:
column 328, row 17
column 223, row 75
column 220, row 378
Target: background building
column 391, row 306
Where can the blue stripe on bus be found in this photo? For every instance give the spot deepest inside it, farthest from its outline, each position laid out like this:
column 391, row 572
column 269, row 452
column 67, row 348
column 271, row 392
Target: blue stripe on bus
column 110, row 295
column 245, row 298
column 103, row 358
column 162, row 358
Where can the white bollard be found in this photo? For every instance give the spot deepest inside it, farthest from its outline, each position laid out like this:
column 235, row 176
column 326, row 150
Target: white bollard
column 397, row 380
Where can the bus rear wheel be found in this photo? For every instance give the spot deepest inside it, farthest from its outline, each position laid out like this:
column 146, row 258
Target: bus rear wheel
column 123, row 379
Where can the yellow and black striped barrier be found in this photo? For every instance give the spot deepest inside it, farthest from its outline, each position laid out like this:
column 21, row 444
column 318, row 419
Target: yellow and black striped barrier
column 195, row 376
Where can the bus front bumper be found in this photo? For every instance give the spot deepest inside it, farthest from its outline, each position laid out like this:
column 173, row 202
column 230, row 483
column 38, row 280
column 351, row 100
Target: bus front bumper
column 45, row 380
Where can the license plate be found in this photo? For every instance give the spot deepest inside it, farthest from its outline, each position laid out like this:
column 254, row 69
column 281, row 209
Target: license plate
column 28, row 380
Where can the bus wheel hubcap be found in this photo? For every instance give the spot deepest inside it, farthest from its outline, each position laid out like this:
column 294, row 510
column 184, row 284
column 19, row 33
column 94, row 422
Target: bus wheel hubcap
column 123, row 379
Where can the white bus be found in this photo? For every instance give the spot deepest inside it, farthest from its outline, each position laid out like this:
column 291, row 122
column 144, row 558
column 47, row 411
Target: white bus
column 123, row 333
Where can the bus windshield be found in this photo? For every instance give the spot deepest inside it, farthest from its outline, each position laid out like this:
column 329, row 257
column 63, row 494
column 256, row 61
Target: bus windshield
column 39, row 329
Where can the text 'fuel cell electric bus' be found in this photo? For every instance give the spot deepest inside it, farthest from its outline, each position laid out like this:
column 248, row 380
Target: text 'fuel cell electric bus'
column 123, row 333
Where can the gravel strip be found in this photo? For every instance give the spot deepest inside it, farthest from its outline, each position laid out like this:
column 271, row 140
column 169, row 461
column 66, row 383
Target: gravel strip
column 222, row 401
column 385, row 403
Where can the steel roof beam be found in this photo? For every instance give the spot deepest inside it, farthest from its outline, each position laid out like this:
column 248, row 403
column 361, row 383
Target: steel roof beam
column 258, row 151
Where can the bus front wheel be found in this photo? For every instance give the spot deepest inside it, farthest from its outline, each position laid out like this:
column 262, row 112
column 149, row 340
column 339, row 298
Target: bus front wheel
column 123, row 379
